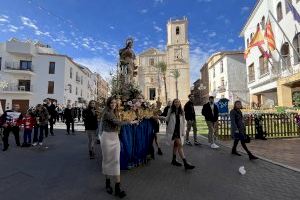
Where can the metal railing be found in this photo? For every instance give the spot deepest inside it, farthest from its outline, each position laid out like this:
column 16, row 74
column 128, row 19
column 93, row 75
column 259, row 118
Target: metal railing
column 17, row 88
column 17, row 66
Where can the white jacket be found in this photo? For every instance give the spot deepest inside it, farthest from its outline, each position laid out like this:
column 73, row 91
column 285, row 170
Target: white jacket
column 171, row 119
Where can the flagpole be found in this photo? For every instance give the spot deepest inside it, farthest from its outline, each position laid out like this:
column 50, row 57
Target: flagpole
column 284, row 34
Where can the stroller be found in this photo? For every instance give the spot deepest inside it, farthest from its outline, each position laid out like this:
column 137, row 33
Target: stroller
column 260, row 133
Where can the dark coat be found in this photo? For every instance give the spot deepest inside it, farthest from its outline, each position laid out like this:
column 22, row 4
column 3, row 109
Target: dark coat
column 189, row 111
column 238, row 127
column 51, row 110
column 90, row 118
column 165, row 112
column 207, row 113
column 69, row 114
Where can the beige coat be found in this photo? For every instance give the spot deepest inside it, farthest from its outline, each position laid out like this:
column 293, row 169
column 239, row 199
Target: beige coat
column 171, row 119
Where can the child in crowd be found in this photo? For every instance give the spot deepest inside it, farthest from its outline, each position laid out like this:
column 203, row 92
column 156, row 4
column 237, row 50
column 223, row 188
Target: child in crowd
column 29, row 122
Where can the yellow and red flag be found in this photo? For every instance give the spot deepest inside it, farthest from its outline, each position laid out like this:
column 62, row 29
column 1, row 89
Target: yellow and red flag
column 257, row 40
column 269, row 35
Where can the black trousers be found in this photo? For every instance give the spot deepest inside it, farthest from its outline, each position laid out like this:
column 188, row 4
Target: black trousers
column 51, row 122
column 69, row 123
column 15, row 130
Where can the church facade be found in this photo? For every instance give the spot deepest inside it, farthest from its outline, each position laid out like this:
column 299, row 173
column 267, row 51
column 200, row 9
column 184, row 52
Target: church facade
column 176, row 57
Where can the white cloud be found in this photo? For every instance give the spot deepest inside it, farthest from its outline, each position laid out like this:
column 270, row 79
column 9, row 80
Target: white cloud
column 38, row 32
column 231, row 40
column 158, row 1
column 112, row 27
column 245, row 9
column 212, row 34
column 4, row 18
column 204, row 1
column 29, row 23
column 12, row 28
column 157, row 28
column 197, row 58
column 143, row 11
column 99, row 65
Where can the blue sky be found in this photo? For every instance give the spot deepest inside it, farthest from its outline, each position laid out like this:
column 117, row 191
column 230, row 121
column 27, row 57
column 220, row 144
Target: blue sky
column 92, row 31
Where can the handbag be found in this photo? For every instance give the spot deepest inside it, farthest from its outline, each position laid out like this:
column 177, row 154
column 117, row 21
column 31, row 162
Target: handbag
column 247, row 139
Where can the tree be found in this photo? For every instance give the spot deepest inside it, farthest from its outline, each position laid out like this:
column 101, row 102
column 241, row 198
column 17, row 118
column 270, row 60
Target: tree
column 162, row 67
column 176, row 74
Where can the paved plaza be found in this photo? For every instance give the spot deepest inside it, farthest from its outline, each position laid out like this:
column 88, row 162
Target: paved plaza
column 62, row 170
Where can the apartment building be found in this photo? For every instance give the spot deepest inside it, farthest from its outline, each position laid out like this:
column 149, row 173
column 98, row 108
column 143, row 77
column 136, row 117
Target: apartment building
column 34, row 71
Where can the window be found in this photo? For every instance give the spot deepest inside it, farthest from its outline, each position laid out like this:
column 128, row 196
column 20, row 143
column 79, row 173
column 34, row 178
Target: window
column 76, row 92
column 50, row 87
column 177, row 30
column 70, row 88
column 221, row 66
column 81, row 80
column 251, row 36
column 214, row 72
column 248, row 42
column 25, row 65
column 251, row 73
column 71, row 72
column 257, row 27
column 296, row 43
column 24, row 85
column 285, row 52
column 263, row 22
column 222, row 82
column 151, row 61
column 279, row 12
column 263, row 66
column 52, row 68
column 152, row 93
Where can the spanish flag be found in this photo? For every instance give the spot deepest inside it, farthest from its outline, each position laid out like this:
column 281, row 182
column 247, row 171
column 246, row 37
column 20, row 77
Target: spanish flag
column 257, row 40
column 269, row 35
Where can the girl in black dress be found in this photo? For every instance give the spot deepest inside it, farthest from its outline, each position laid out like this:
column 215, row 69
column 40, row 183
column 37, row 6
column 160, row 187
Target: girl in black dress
column 176, row 126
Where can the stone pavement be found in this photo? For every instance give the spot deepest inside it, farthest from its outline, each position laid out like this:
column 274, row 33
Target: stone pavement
column 64, row 171
column 283, row 151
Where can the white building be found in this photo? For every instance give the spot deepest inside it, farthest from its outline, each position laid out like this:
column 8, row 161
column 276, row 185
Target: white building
column 228, row 76
column 34, row 72
column 276, row 81
column 176, row 56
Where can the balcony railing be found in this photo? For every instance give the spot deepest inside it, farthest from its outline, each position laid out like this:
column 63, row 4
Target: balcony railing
column 17, row 88
column 17, row 66
column 222, row 89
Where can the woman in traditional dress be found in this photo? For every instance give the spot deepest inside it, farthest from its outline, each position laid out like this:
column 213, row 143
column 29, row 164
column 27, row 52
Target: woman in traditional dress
column 110, row 145
column 176, row 126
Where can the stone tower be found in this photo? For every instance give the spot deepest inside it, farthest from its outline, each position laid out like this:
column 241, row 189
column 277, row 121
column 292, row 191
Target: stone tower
column 178, row 57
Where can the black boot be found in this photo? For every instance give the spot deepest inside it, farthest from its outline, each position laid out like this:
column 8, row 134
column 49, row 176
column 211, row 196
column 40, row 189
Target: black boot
column 187, row 165
column 159, row 152
column 108, row 188
column 252, row 157
column 119, row 192
column 175, row 162
column 92, row 155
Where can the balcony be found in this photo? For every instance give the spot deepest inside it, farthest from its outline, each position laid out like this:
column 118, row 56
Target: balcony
column 16, row 68
column 17, row 89
column 21, row 48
